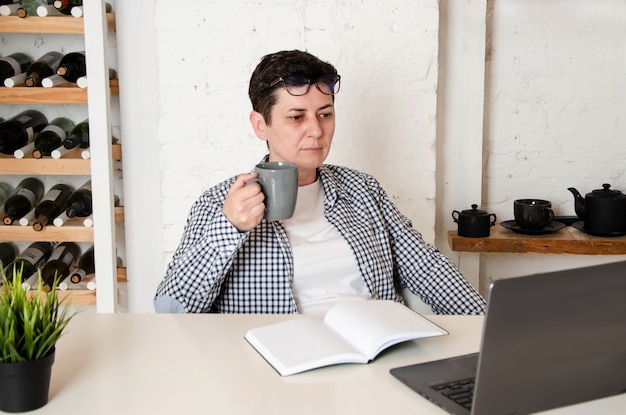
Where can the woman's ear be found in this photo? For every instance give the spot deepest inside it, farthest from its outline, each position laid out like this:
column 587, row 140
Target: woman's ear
column 258, row 124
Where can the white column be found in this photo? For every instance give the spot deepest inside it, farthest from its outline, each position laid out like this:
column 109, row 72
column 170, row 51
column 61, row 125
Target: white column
column 101, row 158
column 460, row 120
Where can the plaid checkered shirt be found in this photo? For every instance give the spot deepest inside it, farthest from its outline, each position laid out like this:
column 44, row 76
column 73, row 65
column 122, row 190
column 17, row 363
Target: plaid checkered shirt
column 216, row 268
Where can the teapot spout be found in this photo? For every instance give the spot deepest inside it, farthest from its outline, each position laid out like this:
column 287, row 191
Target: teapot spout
column 579, row 203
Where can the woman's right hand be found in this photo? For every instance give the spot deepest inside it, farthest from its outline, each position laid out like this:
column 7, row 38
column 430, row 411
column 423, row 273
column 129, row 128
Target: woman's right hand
column 244, row 206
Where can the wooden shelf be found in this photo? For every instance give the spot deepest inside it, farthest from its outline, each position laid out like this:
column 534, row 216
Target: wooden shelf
column 67, row 233
column 71, row 164
column 63, row 94
column 568, row 240
column 73, row 231
column 49, row 24
column 82, row 297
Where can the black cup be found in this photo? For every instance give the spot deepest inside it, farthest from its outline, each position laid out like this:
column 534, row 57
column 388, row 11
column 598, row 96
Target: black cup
column 532, row 213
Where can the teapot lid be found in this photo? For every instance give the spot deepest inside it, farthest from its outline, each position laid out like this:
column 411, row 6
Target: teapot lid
column 474, row 211
column 606, row 192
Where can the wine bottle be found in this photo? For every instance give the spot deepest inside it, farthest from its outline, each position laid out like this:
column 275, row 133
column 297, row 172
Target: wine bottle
column 15, row 80
column 27, row 193
column 79, row 136
column 42, row 68
column 82, row 81
column 9, row 8
column 29, row 260
column 65, row 6
column 52, row 81
column 77, row 11
column 8, row 252
column 52, row 204
column 13, row 64
column 57, row 267
column 86, row 265
column 5, row 192
column 80, row 202
column 29, row 7
column 23, row 151
column 20, row 130
column 52, row 136
column 27, row 218
column 48, row 10
column 72, row 66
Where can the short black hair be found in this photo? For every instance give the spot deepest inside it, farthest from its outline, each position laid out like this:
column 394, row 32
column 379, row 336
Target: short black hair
column 281, row 64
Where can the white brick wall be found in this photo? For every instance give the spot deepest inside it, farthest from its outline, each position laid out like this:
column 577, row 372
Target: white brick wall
column 556, row 112
column 555, row 80
column 386, row 53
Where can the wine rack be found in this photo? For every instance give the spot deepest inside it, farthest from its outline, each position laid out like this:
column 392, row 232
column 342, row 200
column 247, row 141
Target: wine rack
column 96, row 97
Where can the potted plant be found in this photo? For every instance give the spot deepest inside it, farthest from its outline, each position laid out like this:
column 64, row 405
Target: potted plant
column 30, row 325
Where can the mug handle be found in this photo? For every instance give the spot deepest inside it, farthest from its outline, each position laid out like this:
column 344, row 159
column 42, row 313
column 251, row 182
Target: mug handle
column 550, row 215
column 493, row 221
column 254, row 180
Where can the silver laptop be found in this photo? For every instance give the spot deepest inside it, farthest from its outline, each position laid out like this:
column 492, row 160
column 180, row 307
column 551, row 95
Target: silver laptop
column 549, row 340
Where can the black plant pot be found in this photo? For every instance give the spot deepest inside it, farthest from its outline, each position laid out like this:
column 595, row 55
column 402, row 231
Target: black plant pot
column 25, row 386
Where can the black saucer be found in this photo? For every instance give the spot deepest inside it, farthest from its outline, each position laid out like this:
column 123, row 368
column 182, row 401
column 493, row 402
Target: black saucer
column 552, row 227
column 581, row 227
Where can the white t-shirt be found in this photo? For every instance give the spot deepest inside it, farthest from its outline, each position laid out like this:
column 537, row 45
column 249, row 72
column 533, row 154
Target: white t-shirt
column 325, row 268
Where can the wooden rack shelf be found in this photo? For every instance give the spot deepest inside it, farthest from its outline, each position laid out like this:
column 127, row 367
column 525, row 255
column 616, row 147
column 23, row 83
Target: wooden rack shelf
column 568, row 240
column 73, row 231
column 82, row 297
column 62, row 94
column 48, row 24
column 71, row 164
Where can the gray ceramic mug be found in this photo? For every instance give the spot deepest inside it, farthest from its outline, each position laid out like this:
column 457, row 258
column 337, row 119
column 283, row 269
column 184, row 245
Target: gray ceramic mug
column 279, row 184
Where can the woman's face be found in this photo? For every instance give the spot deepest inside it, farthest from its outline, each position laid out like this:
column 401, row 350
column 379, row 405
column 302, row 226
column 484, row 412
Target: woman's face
column 301, row 131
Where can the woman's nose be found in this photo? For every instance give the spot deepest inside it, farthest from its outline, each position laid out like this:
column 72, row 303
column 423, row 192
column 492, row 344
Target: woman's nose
column 314, row 128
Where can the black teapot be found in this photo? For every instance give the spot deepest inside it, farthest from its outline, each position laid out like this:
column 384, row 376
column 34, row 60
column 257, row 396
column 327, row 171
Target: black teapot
column 602, row 210
column 474, row 223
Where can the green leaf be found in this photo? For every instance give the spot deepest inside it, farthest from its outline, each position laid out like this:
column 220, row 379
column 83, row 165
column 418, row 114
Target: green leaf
column 30, row 323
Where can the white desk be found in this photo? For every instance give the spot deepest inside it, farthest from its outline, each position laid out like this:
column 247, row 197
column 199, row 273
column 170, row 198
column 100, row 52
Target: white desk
column 185, row 364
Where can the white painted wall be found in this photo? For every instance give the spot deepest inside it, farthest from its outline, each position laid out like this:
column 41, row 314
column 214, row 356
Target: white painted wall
column 555, row 112
column 386, row 53
column 553, row 107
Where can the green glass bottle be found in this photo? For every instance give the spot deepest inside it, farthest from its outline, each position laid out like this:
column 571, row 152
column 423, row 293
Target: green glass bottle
column 52, row 204
column 29, row 260
column 86, row 266
column 72, row 66
column 80, row 203
column 20, row 130
column 29, row 7
column 13, row 64
column 52, row 136
column 8, row 252
column 5, row 192
column 27, row 193
column 79, row 137
column 57, row 268
column 42, row 68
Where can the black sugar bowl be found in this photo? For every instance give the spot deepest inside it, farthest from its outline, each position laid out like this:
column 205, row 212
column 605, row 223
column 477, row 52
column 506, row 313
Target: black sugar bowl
column 474, row 223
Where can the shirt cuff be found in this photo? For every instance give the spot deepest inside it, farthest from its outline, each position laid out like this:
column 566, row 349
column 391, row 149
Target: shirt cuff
column 167, row 304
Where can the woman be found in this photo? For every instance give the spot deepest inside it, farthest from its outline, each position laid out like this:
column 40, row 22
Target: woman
column 346, row 240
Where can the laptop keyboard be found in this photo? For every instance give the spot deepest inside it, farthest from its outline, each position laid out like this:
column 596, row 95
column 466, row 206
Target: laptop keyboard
column 461, row 391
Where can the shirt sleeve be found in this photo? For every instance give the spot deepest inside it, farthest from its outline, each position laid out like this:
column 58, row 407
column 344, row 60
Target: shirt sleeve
column 424, row 270
column 200, row 263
